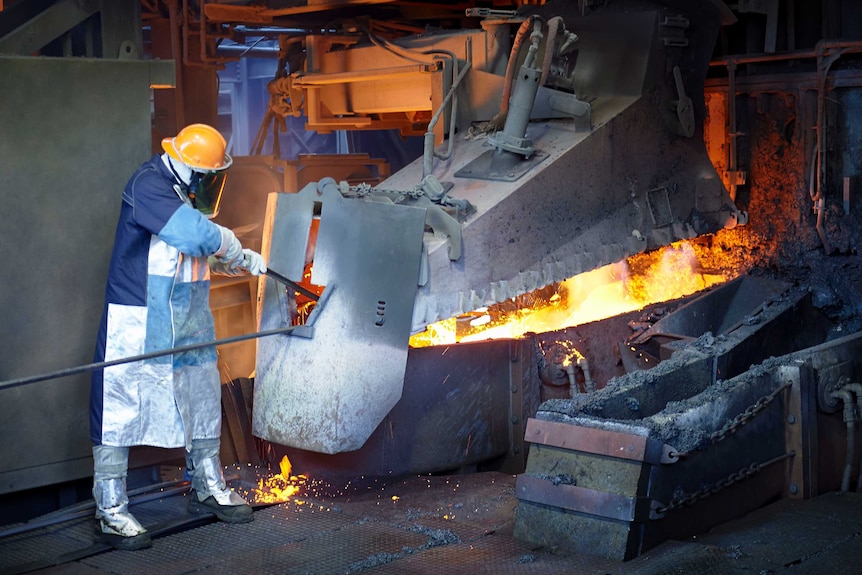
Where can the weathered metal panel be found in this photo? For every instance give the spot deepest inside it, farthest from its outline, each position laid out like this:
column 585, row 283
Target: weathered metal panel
column 599, row 472
column 572, row 533
column 73, row 130
column 329, row 392
column 456, row 410
column 582, row 500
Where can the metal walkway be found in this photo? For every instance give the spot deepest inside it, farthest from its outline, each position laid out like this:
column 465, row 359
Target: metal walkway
column 429, row 525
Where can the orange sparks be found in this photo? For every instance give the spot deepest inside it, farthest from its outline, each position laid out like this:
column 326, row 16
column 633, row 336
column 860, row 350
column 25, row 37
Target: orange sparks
column 280, row 487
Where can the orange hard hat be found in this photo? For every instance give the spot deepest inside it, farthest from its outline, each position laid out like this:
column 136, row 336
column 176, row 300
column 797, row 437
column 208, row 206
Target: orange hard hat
column 200, row 147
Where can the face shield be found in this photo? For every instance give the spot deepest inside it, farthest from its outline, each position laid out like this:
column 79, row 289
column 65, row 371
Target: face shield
column 205, row 190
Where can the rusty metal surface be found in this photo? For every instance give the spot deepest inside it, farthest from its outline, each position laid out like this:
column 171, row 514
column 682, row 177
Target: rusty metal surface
column 598, row 441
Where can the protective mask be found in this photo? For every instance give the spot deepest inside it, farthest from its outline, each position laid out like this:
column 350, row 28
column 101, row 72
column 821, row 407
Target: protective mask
column 205, row 191
column 202, row 190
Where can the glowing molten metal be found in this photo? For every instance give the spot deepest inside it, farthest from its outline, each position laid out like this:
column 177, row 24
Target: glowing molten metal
column 672, row 272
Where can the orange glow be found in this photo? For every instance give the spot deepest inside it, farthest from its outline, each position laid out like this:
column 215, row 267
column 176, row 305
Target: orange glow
column 280, row 487
column 674, row 271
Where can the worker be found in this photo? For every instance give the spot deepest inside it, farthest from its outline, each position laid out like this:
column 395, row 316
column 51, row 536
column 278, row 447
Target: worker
column 157, row 298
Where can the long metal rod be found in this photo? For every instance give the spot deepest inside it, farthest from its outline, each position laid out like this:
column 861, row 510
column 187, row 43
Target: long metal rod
column 153, row 354
column 292, row 284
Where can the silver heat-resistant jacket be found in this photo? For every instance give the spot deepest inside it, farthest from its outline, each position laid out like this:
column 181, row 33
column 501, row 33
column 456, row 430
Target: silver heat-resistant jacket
column 157, row 298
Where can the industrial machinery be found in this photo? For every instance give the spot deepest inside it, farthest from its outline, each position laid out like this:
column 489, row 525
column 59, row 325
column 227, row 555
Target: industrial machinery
column 519, row 187
column 555, row 139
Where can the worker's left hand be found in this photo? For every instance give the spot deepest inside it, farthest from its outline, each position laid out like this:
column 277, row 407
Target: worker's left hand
column 252, row 262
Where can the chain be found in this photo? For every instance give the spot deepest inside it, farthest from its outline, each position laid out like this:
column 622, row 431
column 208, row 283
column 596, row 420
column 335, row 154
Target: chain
column 706, row 491
column 363, row 190
column 734, row 424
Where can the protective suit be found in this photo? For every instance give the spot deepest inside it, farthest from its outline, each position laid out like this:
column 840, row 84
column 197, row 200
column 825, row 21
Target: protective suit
column 157, row 298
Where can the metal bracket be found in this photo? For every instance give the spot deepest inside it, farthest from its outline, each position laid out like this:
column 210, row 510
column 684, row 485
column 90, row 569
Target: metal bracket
column 673, row 31
column 500, row 165
column 307, row 330
column 829, row 379
column 684, row 106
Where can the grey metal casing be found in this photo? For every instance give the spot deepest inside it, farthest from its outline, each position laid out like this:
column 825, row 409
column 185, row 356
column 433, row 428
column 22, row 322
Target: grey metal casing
column 73, row 132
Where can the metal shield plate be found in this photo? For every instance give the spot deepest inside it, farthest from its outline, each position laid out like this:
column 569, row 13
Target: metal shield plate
column 329, row 392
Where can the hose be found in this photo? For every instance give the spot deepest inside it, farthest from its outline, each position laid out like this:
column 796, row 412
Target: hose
column 850, row 420
column 589, row 383
column 555, row 25
column 500, row 119
column 857, row 389
column 428, row 152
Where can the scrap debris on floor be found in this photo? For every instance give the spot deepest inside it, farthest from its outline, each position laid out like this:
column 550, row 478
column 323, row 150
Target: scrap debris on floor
column 430, row 524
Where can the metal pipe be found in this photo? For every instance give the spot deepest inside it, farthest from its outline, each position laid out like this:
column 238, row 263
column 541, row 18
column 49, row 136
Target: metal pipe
column 428, row 151
column 573, row 383
column 852, row 46
column 292, row 284
column 857, row 389
column 205, row 60
column 823, row 65
column 589, row 384
column 453, row 113
column 731, row 113
column 850, row 421
column 151, row 355
column 176, row 52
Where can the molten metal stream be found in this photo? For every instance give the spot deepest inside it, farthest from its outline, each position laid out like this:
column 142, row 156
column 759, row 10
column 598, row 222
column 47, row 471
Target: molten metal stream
column 669, row 273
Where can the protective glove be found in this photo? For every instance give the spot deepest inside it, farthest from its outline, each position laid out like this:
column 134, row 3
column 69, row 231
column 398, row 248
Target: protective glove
column 224, row 268
column 252, row 262
column 230, row 250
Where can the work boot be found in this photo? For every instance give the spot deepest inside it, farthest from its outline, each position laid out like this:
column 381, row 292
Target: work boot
column 210, row 493
column 116, row 526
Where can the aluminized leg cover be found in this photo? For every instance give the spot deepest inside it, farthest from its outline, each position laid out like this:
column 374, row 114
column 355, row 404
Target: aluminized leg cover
column 117, row 526
column 210, row 493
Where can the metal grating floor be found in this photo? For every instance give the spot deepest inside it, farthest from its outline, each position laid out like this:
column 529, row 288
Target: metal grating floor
column 434, row 526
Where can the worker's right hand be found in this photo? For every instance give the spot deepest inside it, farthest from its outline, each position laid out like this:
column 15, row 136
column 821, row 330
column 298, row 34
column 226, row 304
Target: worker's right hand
column 252, row 262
